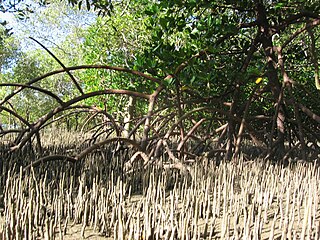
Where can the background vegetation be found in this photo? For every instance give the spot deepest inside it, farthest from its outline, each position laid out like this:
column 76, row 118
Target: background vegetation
column 177, row 79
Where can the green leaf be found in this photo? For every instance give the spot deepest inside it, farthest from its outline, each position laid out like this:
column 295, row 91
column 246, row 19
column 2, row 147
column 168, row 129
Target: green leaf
column 193, row 79
column 163, row 22
column 279, row 5
column 169, row 81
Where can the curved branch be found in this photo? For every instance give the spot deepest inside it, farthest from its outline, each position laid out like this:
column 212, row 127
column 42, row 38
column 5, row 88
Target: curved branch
column 4, row 132
column 109, row 116
column 134, row 129
column 99, row 144
column 170, row 131
column 85, row 109
column 59, row 109
column 16, row 115
column 61, row 64
column 194, row 128
column 119, row 69
column 48, row 159
column 301, row 30
column 63, row 116
column 296, row 18
column 47, row 92
column 243, row 122
column 309, row 113
column 129, row 164
column 106, row 92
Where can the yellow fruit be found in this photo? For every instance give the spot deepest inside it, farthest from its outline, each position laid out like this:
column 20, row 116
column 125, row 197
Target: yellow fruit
column 258, row 80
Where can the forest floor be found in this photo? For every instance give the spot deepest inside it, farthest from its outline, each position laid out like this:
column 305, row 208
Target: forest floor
column 248, row 200
column 261, row 202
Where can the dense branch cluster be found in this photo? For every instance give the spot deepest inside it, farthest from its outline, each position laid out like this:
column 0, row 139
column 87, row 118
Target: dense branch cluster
column 167, row 129
column 177, row 123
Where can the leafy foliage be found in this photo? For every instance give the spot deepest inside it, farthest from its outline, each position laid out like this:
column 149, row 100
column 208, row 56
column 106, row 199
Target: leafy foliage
column 228, row 69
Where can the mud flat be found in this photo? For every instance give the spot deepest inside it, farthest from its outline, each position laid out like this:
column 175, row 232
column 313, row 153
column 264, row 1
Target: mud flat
column 250, row 200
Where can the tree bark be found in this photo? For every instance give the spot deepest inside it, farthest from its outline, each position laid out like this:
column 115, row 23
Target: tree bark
column 272, row 75
column 128, row 115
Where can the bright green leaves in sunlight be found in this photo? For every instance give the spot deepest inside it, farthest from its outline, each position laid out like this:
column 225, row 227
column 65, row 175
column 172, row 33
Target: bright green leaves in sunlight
column 151, row 10
column 9, row 49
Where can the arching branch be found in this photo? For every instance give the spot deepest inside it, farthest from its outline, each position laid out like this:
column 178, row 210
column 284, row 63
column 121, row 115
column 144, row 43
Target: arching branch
column 16, row 115
column 48, row 159
column 100, row 144
column 23, row 86
column 106, row 67
column 61, row 64
column 46, row 117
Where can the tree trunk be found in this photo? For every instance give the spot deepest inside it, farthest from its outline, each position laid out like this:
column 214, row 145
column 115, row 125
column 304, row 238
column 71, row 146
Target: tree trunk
column 128, row 116
column 272, row 74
